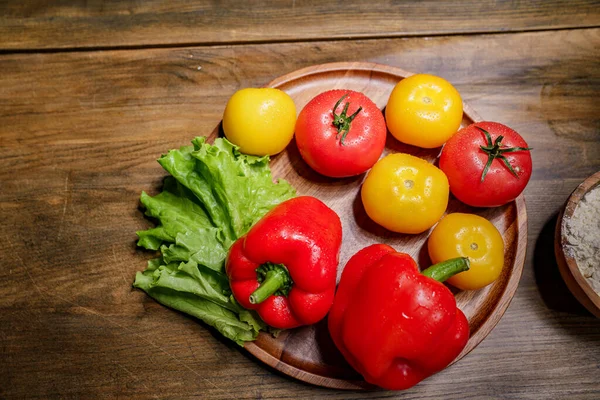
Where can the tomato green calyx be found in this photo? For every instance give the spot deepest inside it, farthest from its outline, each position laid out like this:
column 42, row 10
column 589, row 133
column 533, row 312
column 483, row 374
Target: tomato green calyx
column 274, row 279
column 342, row 121
column 447, row 269
column 495, row 150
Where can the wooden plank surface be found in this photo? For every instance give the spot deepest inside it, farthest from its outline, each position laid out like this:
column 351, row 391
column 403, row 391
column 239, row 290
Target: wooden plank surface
column 41, row 24
column 79, row 136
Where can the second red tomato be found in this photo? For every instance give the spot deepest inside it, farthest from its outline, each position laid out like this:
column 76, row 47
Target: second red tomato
column 340, row 133
column 487, row 164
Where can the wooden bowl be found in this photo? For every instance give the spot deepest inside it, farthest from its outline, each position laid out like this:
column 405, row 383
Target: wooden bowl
column 308, row 353
column 567, row 265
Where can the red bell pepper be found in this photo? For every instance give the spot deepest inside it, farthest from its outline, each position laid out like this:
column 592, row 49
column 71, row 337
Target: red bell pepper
column 395, row 325
column 285, row 267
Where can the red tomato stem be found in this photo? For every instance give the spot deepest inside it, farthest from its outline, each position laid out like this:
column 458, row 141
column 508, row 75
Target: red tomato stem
column 494, row 151
column 342, row 121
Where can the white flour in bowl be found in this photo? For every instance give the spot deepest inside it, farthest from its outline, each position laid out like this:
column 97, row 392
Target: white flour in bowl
column 583, row 237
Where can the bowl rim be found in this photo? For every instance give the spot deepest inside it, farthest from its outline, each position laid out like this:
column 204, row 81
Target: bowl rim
column 583, row 288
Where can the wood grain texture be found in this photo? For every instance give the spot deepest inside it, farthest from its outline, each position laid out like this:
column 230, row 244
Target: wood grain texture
column 79, row 135
column 41, row 24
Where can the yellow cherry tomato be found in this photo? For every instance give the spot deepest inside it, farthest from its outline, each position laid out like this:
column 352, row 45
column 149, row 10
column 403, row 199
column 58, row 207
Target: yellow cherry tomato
column 471, row 236
column 260, row 121
column 404, row 193
column 424, row 110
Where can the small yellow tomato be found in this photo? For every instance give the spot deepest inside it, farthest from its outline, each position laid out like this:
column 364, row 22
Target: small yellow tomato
column 260, row 121
column 471, row 236
column 424, row 110
column 404, row 193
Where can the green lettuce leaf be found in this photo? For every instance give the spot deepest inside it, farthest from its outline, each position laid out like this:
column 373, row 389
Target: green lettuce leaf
column 226, row 321
column 176, row 211
column 242, row 184
column 184, row 167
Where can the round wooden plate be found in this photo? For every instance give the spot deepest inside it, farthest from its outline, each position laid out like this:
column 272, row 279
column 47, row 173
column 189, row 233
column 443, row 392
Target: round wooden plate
column 567, row 265
column 308, row 353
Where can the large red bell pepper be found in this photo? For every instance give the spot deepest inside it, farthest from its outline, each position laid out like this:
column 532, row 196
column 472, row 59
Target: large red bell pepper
column 285, row 267
column 395, row 325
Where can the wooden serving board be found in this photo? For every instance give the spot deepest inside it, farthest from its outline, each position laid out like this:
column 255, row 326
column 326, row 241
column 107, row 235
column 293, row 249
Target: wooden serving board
column 308, row 353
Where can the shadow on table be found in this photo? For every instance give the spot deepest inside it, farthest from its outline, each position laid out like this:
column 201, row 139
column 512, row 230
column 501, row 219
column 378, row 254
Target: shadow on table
column 554, row 291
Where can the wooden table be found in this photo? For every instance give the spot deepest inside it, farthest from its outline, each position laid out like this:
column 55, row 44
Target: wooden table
column 91, row 93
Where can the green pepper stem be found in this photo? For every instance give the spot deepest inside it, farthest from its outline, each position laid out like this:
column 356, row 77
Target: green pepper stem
column 273, row 278
column 446, row 269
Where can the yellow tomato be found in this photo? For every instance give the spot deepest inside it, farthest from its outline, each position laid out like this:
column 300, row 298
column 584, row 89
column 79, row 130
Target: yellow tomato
column 424, row 110
column 404, row 193
column 260, row 121
column 471, row 236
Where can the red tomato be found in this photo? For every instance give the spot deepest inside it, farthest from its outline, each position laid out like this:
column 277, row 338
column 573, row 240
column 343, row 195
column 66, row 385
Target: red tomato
column 487, row 164
column 340, row 133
